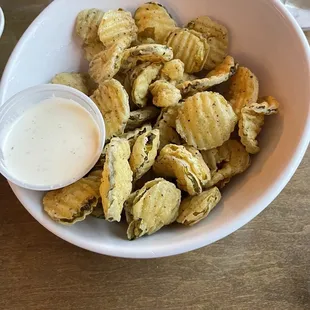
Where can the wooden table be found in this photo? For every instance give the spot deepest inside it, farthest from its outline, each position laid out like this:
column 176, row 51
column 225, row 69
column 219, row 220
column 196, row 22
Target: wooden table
column 264, row 265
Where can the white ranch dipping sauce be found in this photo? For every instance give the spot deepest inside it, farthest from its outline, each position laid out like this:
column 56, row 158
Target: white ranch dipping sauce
column 51, row 143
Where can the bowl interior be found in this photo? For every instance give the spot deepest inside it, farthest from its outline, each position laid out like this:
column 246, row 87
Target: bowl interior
column 263, row 37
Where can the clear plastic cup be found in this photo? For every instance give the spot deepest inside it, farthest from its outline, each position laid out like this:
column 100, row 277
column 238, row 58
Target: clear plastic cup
column 18, row 104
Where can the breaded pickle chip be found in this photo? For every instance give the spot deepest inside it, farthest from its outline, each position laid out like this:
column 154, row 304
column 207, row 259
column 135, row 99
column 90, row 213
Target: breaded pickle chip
column 224, row 70
column 78, row 81
column 156, row 53
column 169, row 115
column 231, row 159
column 191, row 48
column 155, row 205
column 193, row 209
column 128, row 206
column 96, row 175
column 164, row 94
column 87, row 24
column 166, row 125
column 98, row 211
column 106, row 64
column 250, row 125
column 252, row 120
column 116, row 182
column 113, row 103
column 223, row 183
column 267, row 105
column 172, row 71
column 206, row 120
column 217, row 37
column 143, row 73
column 73, row 203
column 187, row 77
column 154, row 22
column 243, row 89
column 213, row 158
column 117, row 27
column 132, row 136
column 220, row 74
column 167, row 135
column 144, row 153
column 92, row 49
column 141, row 116
column 184, row 163
column 135, row 72
column 141, row 84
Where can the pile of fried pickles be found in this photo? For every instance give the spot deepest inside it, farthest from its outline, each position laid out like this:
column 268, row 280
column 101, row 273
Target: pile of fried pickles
column 182, row 118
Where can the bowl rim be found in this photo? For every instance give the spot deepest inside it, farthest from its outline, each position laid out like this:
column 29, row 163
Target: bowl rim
column 54, row 89
column 2, row 21
column 200, row 240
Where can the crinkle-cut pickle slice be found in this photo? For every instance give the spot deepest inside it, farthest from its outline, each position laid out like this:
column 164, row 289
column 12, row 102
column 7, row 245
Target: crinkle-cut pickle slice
column 206, row 120
column 154, row 206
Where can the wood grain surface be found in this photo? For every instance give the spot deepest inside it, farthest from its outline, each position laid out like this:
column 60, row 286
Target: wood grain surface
column 264, row 265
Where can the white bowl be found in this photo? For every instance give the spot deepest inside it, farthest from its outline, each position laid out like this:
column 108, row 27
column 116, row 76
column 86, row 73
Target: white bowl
column 2, row 22
column 15, row 107
column 263, row 36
